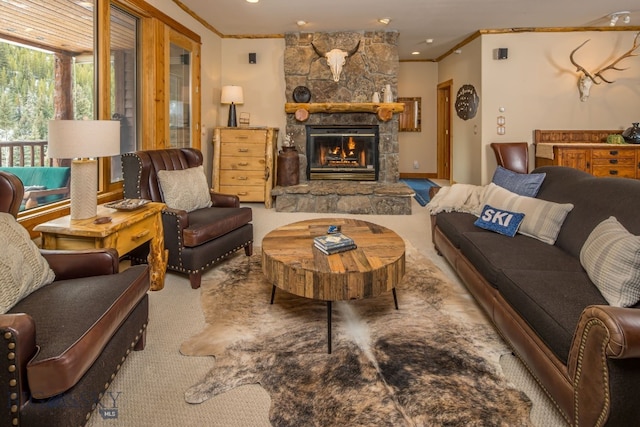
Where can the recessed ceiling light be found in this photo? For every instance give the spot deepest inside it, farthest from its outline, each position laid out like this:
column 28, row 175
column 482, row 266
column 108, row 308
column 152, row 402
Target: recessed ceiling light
column 384, row 21
column 415, row 53
column 253, row 1
column 301, row 23
column 429, row 41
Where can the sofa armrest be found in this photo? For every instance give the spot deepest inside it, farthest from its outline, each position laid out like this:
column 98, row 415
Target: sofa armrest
column 18, row 333
column 622, row 327
column 67, row 264
column 220, row 200
column 603, row 333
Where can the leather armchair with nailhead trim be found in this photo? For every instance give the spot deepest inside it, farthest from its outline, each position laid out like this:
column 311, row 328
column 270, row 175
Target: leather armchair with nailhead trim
column 63, row 344
column 195, row 240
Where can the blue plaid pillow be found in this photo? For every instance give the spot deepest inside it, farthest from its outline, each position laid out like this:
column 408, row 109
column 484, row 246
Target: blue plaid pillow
column 499, row 220
column 524, row 184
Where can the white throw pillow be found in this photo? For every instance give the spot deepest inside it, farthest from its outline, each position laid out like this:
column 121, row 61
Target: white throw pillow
column 22, row 268
column 542, row 219
column 185, row 189
column 611, row 258
column 459, row 198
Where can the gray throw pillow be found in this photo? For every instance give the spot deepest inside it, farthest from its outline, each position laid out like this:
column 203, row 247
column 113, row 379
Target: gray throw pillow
column 185, row 189
column 22, row 268
column 542, row 219
column 524, row 184
column 611, row 258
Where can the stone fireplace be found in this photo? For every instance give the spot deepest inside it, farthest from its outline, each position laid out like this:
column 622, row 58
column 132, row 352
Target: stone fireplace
column 362, row 182
column 342, row 152
column 373, row 66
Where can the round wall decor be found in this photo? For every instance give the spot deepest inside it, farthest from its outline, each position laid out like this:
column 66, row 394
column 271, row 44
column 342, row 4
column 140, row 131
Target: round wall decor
column 301, row 94
column 467, row 102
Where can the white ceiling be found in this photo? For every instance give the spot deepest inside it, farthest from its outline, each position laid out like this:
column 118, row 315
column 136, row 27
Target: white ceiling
column 447, row 22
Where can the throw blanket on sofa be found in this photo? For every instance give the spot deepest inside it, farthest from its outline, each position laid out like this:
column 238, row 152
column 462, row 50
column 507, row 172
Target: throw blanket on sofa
column 458, row 197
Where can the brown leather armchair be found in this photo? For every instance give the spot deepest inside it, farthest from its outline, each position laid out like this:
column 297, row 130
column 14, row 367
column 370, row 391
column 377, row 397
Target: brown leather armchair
column 64, row 343
column 195, row 240
column 512, row 155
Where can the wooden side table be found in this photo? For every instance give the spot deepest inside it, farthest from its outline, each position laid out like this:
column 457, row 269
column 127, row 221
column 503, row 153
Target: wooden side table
column 126, row 231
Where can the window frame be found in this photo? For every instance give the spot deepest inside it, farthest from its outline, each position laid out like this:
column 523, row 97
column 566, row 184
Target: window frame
column 155, row 31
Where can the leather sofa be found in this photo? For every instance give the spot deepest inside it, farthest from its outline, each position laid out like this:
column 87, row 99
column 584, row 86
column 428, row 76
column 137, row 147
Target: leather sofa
column 63, row 344
column 583, row 352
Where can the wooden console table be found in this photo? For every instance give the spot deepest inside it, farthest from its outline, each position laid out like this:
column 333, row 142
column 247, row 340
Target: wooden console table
column 126, row 231
column 587, row 151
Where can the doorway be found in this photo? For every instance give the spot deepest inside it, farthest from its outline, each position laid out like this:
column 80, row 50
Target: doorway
column 444, row 130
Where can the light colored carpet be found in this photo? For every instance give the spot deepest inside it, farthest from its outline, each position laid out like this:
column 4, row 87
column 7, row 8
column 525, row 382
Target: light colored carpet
column 149, row 389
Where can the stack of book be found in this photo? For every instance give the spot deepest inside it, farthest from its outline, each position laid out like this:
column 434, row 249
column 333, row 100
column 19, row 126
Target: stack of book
column 334, row 243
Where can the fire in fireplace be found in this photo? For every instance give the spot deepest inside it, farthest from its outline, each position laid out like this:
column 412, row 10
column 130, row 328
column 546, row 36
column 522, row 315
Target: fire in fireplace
column 346, row 152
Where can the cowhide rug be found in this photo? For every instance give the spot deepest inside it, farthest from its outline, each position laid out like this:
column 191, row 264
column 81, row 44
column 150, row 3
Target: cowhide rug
column 432, row 362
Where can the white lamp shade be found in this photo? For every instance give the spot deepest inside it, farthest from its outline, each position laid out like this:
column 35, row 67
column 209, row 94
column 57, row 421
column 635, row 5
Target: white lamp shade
column 232, row 95
column 70, row 139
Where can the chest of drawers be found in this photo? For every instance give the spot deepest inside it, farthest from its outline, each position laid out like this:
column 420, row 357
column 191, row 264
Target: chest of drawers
column 614, row 162
column 243, row 162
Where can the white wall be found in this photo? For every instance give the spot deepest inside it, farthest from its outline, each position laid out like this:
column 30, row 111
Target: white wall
column 466, row 139
column 419, row 79
column 537, row 86
column 262, row 83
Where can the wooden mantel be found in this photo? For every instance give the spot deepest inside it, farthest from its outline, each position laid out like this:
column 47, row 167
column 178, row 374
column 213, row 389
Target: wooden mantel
column 384, row 110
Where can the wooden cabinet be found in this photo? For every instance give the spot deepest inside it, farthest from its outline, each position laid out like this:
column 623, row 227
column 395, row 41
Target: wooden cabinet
column 244, row 162
column 577, row 158
column 602, row 160
column 619, row 162
column 588, row 151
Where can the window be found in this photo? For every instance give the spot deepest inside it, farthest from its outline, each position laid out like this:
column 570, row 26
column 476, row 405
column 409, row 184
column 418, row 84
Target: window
column 70, row 68
column 124, row 83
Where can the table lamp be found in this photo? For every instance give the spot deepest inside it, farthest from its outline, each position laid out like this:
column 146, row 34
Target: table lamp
column 232, row 95
column 82, row 141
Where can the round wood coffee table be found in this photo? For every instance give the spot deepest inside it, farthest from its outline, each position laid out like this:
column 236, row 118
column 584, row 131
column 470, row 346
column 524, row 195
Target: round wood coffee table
column 292, row 263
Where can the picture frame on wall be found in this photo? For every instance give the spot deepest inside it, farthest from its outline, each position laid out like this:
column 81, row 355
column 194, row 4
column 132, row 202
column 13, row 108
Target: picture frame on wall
column 410, row 119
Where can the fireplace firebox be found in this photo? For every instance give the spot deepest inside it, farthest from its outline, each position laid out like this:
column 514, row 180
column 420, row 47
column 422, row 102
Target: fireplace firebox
column 344, row 152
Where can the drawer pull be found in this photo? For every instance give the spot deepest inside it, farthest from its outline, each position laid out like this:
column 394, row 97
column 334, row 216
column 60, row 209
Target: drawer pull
column 613, row 161
column 242, row 178
column 243, row 150
column 140, row 235
column 613, row 172
column 243, row 164
column 613, row 152
column 242, row 136
column 242, row 193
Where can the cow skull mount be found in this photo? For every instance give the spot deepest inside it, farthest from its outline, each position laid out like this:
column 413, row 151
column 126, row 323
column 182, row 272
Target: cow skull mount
column 336, row 58
column 587, row 79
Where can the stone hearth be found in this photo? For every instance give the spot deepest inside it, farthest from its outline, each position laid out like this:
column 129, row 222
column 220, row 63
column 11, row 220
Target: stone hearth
column 348, row 197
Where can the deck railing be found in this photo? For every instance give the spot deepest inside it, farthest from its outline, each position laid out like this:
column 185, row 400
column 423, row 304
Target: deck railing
column 24, row 153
